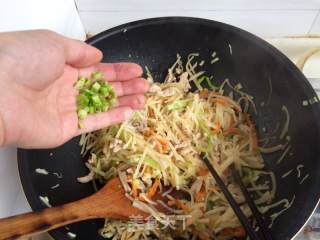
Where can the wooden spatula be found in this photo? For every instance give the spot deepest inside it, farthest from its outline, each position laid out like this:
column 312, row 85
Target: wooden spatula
column 109, row 202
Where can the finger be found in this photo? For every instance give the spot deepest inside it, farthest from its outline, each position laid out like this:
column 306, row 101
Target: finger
column 79, row 54
column 133, row 101
column 101, row 120
column 119, row 71
column 114, row 71
column 134, row 86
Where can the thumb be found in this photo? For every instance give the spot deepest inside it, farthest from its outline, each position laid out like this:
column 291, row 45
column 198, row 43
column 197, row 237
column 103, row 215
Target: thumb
column 79, row 54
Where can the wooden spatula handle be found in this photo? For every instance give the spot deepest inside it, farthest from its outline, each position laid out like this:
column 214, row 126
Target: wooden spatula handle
column 37, row 222
column 109, row 202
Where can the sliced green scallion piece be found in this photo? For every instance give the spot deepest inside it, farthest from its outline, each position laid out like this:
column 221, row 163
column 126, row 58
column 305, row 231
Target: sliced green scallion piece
column 95, row 95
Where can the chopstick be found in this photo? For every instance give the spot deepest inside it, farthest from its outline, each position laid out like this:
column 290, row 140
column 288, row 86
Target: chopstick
column 243, row 219
column 237, row 210
column 256, row 213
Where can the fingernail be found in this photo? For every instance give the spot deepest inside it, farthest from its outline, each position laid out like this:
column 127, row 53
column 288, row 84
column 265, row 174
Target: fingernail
column 128, row 113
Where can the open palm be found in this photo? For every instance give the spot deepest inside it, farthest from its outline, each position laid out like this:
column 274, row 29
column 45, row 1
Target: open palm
column 38, row 70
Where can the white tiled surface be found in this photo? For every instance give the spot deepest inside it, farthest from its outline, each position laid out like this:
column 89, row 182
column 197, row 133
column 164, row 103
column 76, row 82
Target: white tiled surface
column 57, row 15
column 206, row 5
column 262, row 22
column 20, row 205
column 9, row 180
column 315, row 29
column 272, row 18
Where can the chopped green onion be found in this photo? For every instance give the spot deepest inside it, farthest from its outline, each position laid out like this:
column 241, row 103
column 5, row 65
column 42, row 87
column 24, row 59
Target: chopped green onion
column 87, row 83
column 113, row 163
column 210, row 205
column 105, row 91
column 88, row 93
column 82, row 100
column 198, row 84
column 91, row 110
column 104, row 108
column 96, row 76
column 96, row 100
column 80, row 83
column 177, row 105
column 207, row 80
column 95, row 95
column 95, row 87
column 199, row 226
column 82, row 114
column 152, row 163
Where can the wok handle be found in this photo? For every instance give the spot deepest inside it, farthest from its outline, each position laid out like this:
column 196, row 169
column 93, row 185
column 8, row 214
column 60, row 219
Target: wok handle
column 28, row 224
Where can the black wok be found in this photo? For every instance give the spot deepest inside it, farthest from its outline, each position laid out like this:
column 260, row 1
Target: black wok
column 253, row 63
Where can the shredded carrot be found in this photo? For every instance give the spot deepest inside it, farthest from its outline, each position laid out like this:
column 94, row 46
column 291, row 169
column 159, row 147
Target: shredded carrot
column 163, row 146
column 218, row 100
column 142, row 199
column 148, row 170
column 189, row 221
column 232, row 131
column 217, row 125
column 182, row 206
column 153, row 190
column 146, row 132
column 236, row 232
column 200, row 196
column 226, row 101
column 204, row 93
column 171, row 203
column 158, row 146
column 253, row 133
column 162, row 141
column 215, row 131
column 151, row 113
column 203, row 172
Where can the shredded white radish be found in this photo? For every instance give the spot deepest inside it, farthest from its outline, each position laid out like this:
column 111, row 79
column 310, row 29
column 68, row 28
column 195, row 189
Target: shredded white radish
column 41, row 171
column 286, row 124
column 304, row 178
column 283, row 155
column 45, row 201
column 87, row 178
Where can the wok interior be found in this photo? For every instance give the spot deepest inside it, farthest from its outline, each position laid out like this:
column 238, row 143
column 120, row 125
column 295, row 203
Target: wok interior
column 253, row 63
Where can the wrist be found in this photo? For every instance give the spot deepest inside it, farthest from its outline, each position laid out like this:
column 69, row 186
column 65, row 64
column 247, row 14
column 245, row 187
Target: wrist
column 2, row 132
column 7, row 66
column 6, row 101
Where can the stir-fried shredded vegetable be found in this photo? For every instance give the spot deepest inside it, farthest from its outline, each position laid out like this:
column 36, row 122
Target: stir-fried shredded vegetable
column 41, row 171
column 159, row 149
column 45, row 201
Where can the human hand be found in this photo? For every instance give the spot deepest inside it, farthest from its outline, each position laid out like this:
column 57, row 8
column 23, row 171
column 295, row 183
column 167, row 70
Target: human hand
column 38, row 100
